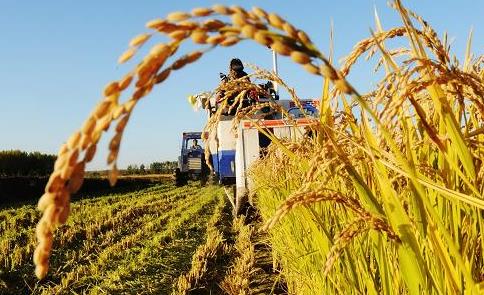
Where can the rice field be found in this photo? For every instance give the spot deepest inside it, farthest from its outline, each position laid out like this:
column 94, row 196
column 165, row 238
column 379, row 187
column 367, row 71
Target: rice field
column 383, row 196
column 131, row 243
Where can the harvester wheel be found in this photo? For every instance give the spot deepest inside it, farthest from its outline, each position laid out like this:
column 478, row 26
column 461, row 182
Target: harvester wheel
column 241, row 203
column 205, row 173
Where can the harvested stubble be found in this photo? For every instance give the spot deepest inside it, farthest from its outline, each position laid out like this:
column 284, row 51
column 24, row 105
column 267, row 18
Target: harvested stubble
column 204, row 258
column 160, row 225
column 237, row 279
column 406, row 182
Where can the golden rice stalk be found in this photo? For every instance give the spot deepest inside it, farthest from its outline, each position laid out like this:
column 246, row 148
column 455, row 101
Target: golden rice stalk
column 90, row 152
column 138, row 94
column 125, row 82
column 213, row 24
column 113, row 98
column 290, row 30
column 329, row 72
column 129, row 105
column 156, row 23
column 343, row 86
column 238, row 20
column 276, row 21
column 199, row 36
column 63, row 149
column 223, row 10
column 216, row 39
column 77, row 177
column 45, row 200
column 263, row 38
column 73, row 140
column 281, row 48
column 178, row 16
column 42, row 252
column 160, row 51
column 72, row 157
column 111, row 88
column 180, row 63
column 230, row 41
column 311, row 68
column 139, row 40
column 259, row 12
column 342, row 241
column 300, row 57
column 304, row 38
column 179, row 35
column 101, row 110
column 59, row 163
column 115, row 141
column 127, row 55
column 85, row 140
column 249, row 31
column 95, row 136
column 194, row 56
column 113, row 175
column 159, row 78
column 55, row 182
column 89, row 126
column 105, row 123
column 239, row 10
column 201, row 12
column 122, row 124
column 66, row 172
column 306, row 198
column 167, row 28
column 188, row 25
column 231, row 31
column 118, row 111
column 112, row 156
column 64, row 214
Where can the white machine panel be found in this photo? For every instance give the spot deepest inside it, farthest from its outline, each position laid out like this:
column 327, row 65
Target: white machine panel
column 283, row 132
column 247, row 146
column 226, row 136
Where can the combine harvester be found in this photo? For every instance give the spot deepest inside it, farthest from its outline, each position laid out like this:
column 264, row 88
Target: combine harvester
column 234, row 150
column 251, row 142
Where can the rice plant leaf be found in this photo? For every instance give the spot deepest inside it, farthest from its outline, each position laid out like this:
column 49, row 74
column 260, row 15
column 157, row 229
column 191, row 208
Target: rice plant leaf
column 446, row 192
column 409, row 251
column 370, row 201
column 324, row 111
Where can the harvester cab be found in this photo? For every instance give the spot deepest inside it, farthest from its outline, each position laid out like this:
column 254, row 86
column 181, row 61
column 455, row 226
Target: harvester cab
column 191, row 162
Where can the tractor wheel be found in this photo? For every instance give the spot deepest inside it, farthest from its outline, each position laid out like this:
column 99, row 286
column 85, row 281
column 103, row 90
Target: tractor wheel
column 213, row 179
column 203, row 180
column 180, row 179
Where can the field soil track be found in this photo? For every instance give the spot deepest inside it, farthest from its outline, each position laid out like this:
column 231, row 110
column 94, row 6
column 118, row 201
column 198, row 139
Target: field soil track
column 123, row 243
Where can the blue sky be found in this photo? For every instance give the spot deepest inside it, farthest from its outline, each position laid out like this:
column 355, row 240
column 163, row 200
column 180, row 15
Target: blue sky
column 56, row 57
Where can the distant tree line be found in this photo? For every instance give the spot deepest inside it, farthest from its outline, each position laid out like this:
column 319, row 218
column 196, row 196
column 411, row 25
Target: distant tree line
column 166, row 167
column 19, row 163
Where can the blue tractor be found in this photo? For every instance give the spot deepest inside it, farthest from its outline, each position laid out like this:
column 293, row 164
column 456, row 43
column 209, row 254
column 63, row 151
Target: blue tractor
column 191, row 162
